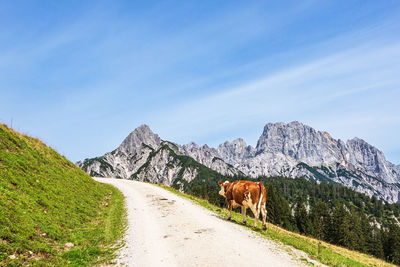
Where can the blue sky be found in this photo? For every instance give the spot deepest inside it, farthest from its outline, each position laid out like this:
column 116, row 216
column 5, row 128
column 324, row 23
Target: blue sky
column 82, row 75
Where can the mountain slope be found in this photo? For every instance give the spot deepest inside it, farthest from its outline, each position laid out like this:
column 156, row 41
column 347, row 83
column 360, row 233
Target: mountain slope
column 283, row 149
column 297, row 150
column 144, row 156
column 46, row 202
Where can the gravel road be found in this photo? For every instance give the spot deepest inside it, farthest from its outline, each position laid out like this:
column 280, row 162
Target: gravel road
column 167, row 230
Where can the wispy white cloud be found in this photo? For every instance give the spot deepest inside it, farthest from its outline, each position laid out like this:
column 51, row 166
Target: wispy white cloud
column 339, row 91
column 203, row 76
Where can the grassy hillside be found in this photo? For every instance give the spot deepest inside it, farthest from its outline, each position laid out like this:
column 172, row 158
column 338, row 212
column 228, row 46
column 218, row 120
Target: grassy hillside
column 330, row 254
column 47, row 202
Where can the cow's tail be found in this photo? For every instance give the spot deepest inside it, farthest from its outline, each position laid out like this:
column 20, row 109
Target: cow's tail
column 262, row 189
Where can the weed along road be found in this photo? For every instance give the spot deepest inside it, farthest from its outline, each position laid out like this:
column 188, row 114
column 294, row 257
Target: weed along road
column 167, row 230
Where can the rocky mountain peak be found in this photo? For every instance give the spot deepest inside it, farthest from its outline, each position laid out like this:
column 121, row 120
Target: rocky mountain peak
column 235, row 152
column 141, row 135
column 283, row 149
column 209, row 157
column 205, row 146
column 192, row 146
column 372, row 159
column 239, row 142
column 361, row 149
column 300, row 142
column 357, row 140
column 192, row 149
column 282, row 131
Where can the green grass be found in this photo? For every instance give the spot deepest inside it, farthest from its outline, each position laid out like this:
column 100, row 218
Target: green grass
column 330, row 254
column 46, row 202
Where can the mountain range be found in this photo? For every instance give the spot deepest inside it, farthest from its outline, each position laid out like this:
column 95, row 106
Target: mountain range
column 283, row 149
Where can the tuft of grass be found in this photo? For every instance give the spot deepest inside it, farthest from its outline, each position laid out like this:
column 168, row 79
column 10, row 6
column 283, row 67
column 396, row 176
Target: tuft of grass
column 47, row 202
column 330, row 254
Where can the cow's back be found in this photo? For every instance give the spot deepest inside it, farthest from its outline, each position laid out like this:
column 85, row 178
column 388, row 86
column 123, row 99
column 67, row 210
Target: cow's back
column 242, row 190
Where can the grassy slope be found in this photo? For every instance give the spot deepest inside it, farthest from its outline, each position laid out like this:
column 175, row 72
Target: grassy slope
column 330, row 254
column 46, row 201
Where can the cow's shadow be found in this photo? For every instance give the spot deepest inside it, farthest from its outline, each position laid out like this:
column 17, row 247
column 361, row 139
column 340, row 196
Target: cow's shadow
column 249, row 224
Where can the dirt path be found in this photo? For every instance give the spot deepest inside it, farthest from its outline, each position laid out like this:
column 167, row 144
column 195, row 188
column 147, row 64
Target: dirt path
column 166, row 230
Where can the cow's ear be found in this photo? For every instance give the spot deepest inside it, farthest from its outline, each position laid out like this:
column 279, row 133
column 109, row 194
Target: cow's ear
column 220, row 183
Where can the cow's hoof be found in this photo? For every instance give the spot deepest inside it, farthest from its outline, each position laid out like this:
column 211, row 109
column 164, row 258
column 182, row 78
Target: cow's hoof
column 229, row 218
column 264, row 227
column 244, row 223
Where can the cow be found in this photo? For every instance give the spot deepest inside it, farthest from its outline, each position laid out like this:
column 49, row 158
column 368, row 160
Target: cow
column 246, row 194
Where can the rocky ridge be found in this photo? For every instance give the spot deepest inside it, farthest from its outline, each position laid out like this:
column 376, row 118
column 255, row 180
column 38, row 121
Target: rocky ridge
column 283, row 149
column 144, row 156
column 297, row 150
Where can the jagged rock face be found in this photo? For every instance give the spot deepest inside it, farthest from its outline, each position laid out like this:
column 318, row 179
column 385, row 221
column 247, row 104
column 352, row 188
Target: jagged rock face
column 163, row 167
column 208, row 157
column 297, row 150
column 290, row 150
column 141, row 135
column 303, row 144
column 236, row 151
column 144, row 156
column 372, row 160
column 127, row 158
column 397, row 168
column 300, row 142
column 202, row 154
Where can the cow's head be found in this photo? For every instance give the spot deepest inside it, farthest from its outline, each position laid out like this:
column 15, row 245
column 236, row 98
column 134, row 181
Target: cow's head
column 223, row 185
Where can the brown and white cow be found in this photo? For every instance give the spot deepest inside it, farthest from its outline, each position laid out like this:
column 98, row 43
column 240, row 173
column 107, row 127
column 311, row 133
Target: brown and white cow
column 246, row 194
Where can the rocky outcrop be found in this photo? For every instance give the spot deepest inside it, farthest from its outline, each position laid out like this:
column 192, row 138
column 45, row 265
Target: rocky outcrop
column 297, row 150
column 372, row 161
column 236, row 152
column 299, row 142
column 127, row 158
column 283, row 149
column 208, row 157
column 133, row 143
column 163, row 166
column 144, row 156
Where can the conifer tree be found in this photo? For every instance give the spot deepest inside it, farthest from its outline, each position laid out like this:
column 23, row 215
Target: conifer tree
column 301, row 217
column 342, row 227
column 393, row 243
column 372, row 237
column 320, row 220
column 278, row 210
column 356, row 235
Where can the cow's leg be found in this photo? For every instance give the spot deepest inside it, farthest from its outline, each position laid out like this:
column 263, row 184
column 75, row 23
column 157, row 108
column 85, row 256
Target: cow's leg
column 230, row 210
column 256, row 213
column 244, row 215
column 264, row 216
